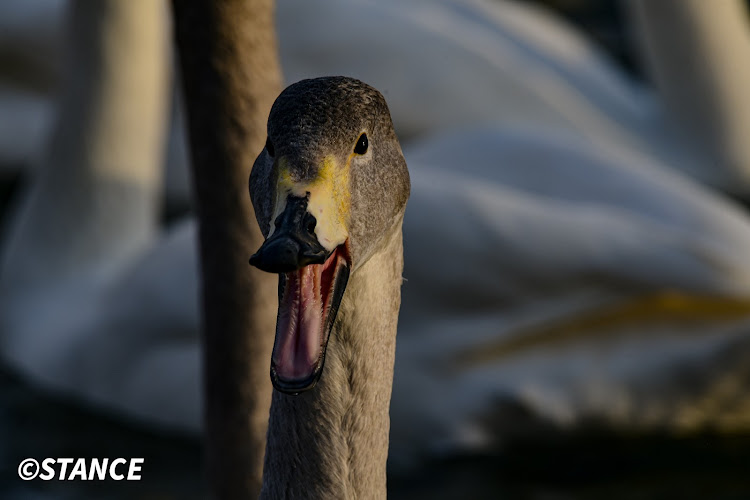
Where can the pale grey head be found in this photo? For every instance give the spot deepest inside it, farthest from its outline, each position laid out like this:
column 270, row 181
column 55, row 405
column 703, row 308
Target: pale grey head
column 330, row 184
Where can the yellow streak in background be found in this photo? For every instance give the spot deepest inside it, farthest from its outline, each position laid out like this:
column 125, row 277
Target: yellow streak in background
column 661, row 308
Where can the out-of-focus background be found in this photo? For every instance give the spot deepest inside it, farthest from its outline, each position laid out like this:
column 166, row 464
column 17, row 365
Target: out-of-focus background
column 576, row 310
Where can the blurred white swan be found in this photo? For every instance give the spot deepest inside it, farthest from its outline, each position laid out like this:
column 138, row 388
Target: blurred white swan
column 553, row 262
column 89, row 292
column 554, row 282
column 486, row 61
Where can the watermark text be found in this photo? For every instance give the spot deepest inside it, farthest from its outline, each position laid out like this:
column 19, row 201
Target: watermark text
column 83, row 469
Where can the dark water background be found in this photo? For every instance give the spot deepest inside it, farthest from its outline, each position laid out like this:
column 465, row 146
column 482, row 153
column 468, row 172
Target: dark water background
column 552, row 466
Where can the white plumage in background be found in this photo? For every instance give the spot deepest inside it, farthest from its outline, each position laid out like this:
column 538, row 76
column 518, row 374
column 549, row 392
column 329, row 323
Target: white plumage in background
column 556, row 261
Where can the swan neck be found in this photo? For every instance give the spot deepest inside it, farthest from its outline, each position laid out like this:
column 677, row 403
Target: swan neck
column 99, row 176
column 698, row 54
column 332, row 441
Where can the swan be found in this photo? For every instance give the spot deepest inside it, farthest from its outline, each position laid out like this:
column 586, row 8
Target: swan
column 590, row 283
column 73, row 316
column 329, row 192
column 514, row 63
column 73, row 308
column 701, row 68
column 230, row 75
column 510, row 61
column 639, row 241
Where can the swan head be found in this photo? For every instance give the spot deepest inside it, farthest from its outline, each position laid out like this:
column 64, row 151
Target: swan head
column 327, row 188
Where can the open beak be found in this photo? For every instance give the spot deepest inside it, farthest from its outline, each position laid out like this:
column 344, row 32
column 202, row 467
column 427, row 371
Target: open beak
column 312, row 281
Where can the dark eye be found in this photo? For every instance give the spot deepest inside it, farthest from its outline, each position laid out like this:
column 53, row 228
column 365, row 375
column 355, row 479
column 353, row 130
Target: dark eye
column 269, row 147
column 361, row 147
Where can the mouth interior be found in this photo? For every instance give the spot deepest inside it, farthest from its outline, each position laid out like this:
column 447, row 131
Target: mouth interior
column 308, row 302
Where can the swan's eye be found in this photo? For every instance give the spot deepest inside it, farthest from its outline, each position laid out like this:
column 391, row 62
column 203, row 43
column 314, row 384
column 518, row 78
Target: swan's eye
column 361, row 147
column 269, row 147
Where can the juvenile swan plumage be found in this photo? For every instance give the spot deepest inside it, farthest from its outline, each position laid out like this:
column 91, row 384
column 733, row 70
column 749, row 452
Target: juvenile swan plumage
column 329, row 191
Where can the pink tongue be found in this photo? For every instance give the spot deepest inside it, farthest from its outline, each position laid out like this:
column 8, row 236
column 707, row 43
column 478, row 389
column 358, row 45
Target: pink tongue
column 298, row 332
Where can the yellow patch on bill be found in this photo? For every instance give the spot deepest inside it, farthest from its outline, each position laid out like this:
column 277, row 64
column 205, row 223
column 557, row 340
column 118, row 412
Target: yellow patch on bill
column 329, row 200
